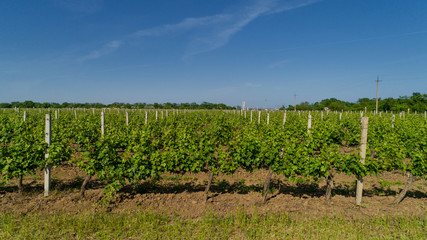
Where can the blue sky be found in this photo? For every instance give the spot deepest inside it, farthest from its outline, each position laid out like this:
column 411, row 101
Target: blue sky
column 259, row 51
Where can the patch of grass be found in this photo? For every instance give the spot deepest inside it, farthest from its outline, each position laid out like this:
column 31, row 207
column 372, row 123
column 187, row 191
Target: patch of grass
column 173, row 178
column 189, row 178
column 239, row 225
column 387, row 184
column 37, row 177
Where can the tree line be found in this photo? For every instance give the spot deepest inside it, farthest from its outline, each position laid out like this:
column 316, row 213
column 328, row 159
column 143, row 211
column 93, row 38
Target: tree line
column 168, row 105
column 416, row 102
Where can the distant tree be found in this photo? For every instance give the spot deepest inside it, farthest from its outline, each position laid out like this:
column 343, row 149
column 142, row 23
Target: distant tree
column 28, row 104
column 5, row 105
column 157, row 106
column 45, row 105
column 139, row 105
column 304, row 106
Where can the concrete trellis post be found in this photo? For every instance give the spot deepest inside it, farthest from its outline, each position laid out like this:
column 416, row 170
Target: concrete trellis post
column 309, row 123
column 102, row 123
column 363, row 143
column 146, row 117
column 284, row 118
column 47, row 167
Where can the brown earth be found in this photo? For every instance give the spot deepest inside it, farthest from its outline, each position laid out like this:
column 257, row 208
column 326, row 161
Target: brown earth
column 184, row 195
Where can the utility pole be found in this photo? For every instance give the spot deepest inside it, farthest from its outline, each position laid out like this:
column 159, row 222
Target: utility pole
column 295, row 102
column 376, row 106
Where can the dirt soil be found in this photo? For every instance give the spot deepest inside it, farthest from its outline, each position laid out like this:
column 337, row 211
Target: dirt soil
column 184, row 195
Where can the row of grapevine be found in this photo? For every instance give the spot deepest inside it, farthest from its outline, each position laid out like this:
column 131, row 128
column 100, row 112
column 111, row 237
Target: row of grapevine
column 128, row 147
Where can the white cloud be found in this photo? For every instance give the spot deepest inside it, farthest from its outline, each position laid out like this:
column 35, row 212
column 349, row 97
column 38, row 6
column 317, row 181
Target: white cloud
column 211, row 32
column 279, row 63
column 105, row 50
column 185, row 25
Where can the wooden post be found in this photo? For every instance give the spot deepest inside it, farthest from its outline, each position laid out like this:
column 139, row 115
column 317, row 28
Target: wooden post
column 309, row 123
column 146, row 116
column 25, row 116
column 75, row 113
column 259, row 117
column 127, row 119
column 47, row 167
column 363, row 143
column 56, row 114
column 157, row 115
column 93, row 111
column 340, row 116
column 102, row 123
column 268, row 118
column 251, row 115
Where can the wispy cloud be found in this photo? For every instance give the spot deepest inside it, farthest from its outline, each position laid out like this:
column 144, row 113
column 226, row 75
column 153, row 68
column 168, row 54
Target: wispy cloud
column 211, row 32
column 106, row 49
column 185, row 25
column 279, row 63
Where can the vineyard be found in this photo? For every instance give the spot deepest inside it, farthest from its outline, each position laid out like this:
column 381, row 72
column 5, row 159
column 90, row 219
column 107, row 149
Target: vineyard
column 123, row 148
